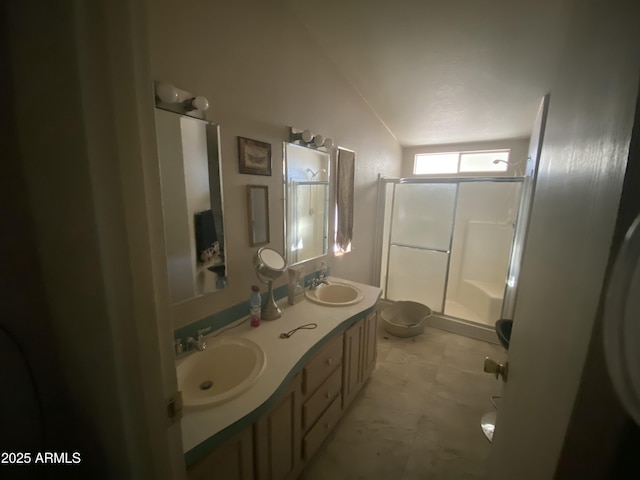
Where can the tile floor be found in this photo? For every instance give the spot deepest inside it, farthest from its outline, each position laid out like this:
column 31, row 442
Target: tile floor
column 418, row 416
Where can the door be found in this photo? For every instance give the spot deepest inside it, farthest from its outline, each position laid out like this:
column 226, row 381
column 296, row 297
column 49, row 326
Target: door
column 108, row 179
column 233, row 460
column 420, row 245
column 352, row 362
column 577, row 193
column 277, row 438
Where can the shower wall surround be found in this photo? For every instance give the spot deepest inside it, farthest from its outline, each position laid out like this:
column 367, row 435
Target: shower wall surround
column 447, row 243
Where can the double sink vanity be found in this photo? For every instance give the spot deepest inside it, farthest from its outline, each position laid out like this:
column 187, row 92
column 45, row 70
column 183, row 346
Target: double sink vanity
column 257, row 405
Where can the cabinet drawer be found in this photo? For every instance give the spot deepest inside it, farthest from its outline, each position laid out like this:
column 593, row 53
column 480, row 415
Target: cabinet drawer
column 321, row 398
column 322, row 365
column 321, row 429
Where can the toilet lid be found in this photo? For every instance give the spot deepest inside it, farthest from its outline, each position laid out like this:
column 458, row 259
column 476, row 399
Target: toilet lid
column 621, row 323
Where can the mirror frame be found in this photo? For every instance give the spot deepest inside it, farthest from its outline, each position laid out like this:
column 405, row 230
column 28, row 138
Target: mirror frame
column 287, row 202
column 252, row 214
column 186, row 221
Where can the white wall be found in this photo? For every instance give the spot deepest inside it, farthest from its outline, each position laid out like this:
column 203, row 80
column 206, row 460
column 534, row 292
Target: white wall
column 262, row 73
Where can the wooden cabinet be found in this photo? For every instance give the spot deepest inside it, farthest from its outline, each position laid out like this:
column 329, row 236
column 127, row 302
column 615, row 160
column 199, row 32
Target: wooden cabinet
column 322, row 364
column 277, row 438
column 359, row 356
column 323, row 401
column 352, row 373
column 284, row 438
column 233, row 460
column 320, row 400
column 370, row 343
column 317, row 434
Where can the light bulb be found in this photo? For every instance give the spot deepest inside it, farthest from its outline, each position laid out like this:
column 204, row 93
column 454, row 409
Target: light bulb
column 318, row 140
column 307, row 136
column 167, row 93
column 201, row 103
column 328, row 143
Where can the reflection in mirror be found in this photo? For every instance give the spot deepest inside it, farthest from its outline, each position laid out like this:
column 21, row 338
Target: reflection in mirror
column 307, row 203
column 191, row 185
column 258, row 214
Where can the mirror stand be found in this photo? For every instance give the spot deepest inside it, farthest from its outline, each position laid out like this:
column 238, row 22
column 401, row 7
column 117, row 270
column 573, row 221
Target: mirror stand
column 269, row 265
column 270, row 311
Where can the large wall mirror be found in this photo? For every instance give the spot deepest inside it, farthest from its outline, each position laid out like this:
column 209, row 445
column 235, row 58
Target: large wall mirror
column 307, row 203
column 189, row 156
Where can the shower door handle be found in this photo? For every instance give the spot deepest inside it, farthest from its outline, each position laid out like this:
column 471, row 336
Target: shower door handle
column 498, row 369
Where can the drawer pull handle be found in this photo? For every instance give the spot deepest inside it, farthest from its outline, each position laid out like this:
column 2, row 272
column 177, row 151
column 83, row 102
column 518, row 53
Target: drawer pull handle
column 326, row 425
column 328, row 394
column 329, row 361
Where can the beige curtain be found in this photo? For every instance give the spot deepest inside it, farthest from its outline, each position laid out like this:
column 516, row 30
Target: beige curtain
column 344, row 196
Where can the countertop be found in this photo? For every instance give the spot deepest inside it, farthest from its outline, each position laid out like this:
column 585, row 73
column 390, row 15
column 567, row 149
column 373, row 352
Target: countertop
column 284, row 358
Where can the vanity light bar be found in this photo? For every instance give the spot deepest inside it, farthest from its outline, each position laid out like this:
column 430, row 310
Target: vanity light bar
column 169, row 97
column 309, row 139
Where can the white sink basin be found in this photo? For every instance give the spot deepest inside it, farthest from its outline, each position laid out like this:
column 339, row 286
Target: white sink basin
column 225, row 369
column 335, row 295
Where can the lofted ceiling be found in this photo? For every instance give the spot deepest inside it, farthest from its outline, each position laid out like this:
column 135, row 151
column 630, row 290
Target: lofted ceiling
column 443, row 71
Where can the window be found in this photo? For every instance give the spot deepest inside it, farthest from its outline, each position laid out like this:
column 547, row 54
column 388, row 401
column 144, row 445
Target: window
column 461, row 162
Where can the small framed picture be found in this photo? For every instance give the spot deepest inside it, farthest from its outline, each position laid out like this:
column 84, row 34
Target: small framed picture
column 254, row 157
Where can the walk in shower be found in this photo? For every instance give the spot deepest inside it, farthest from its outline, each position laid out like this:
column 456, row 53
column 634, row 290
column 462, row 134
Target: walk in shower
column 447, row 243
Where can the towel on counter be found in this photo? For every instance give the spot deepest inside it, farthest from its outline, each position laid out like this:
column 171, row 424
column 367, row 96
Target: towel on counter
column 206, row 237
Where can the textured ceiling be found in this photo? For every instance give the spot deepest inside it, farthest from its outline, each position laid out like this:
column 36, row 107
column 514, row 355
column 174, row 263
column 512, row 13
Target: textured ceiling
column 443, row 71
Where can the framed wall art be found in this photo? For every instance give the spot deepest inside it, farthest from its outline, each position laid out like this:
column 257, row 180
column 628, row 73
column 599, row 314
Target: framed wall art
column 254, row 157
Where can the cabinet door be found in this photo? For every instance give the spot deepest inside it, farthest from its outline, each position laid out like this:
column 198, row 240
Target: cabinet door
column 353, row 362
column 277, row 435
column 370, row 343
column 233, row 460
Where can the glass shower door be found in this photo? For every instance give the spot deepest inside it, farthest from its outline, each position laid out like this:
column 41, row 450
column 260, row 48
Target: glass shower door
column 420, row 242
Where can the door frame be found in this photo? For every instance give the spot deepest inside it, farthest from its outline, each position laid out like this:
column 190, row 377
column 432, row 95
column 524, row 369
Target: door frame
column 119, row 369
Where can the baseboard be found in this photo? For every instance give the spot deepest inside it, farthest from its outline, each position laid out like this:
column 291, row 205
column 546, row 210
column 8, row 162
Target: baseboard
column 462, row 327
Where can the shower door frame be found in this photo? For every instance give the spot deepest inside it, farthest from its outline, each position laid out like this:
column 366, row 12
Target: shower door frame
column 440, row 319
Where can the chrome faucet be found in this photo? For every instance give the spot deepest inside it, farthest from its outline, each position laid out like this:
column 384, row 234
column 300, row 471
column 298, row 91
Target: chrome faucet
column 323, row 271
column 316, row 282
column 199, row 343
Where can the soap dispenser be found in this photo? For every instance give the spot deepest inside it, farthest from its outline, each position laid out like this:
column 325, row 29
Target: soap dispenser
column 295, row 291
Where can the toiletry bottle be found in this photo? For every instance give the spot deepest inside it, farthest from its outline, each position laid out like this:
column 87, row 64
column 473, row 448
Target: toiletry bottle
column 255, row 304
column 294, row 277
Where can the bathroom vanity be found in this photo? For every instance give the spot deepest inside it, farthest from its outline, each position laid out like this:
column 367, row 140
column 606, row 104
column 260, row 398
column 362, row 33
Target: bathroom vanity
column 274, row 428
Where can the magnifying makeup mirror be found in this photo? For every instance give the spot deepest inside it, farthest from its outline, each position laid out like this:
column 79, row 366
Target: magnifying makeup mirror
column 269, row 265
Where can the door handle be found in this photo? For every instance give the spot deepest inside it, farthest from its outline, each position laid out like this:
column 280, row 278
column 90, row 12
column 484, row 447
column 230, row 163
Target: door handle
column 498, row 369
